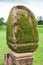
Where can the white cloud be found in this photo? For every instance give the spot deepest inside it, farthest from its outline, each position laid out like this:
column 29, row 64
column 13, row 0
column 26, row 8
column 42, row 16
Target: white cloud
column 34, row 5
column 37, row 8
column 5, row 9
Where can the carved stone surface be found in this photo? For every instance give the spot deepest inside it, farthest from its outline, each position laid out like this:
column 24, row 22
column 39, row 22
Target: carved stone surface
column 7, row 59
column 22, row 33
column 18, row 58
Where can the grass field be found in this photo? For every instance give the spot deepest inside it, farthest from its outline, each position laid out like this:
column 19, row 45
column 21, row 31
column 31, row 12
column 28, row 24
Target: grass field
column 38, row 54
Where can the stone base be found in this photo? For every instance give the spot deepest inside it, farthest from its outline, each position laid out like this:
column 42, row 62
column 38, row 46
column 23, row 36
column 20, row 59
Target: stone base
column 18, row 58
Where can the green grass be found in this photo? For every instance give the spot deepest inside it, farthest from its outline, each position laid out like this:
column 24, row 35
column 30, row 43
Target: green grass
column 3, row 45
column 40, row 26
column 38, row 54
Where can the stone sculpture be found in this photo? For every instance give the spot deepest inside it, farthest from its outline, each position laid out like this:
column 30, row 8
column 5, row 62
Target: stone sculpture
column 22, row 36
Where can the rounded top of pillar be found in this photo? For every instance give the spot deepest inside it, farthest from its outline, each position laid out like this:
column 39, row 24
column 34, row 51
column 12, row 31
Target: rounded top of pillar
column 22, row 29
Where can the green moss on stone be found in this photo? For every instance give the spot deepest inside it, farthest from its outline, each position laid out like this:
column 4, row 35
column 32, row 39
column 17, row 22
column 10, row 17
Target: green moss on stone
column 26, row 30
column 9, row 28
column 25, row 49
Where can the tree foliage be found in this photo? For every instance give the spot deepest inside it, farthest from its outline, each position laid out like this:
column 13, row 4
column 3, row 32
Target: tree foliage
column 40, row 20
column 1, row 21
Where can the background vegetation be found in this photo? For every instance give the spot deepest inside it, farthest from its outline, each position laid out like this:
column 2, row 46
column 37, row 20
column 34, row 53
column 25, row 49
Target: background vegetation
column 40, row 20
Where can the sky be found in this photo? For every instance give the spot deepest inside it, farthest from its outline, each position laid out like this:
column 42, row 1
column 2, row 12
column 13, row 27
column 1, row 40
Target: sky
column 36, row 6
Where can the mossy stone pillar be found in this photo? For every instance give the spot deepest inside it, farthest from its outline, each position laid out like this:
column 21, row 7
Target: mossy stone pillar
column 22, row 35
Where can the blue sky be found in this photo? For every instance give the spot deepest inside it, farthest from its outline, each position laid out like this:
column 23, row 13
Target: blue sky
column 36, row 6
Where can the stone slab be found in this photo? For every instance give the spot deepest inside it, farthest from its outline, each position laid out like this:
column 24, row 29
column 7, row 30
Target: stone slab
column 18, row 55
column 13, row 58
column 7, row 59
